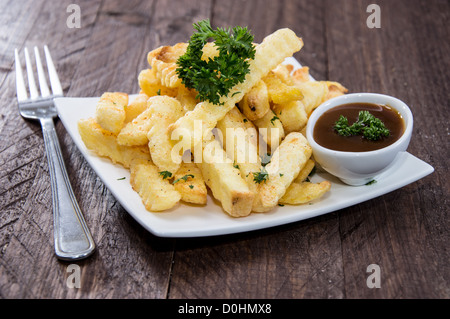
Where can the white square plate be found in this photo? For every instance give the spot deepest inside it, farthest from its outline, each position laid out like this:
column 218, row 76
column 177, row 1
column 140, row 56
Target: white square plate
column 196, row 221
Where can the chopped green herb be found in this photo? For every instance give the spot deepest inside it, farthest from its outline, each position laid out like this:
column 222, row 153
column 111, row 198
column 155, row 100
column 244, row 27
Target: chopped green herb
column 121, row 179
column 281, row 175
column 184, row 178
column 165, row 174
column 371, row 182
column 262, row 176
column 235, row 165
column 274, row 119
column 215, row 77
column 191, row 186
column 367, row 125
column 158, row 92
column 235, row 93
column 245, row 120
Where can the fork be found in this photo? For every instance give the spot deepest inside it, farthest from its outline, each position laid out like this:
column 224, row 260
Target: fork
column 72, row 237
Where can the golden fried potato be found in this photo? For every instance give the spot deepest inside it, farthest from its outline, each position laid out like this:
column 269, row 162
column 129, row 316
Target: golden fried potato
column 335, row 89
column 279, row 92
column 151, row 85
column 165, row 111
column 301, row 75
column 292, row 115
column 301, row 193
column 104, row 143
column 136, row 107
column 135, row 132
column 225, row 181
column 284, row 167
column 187, row 98
column 314, row 94
column 305, row 171
column 157, row 193
column 241, row 145
column 283, row 72
column 271, row 129
column 163, row 63
column 255, row 103
column 110, row 111
column 189, row 182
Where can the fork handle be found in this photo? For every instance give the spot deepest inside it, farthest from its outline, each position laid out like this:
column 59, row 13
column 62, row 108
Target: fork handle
column 73, row 239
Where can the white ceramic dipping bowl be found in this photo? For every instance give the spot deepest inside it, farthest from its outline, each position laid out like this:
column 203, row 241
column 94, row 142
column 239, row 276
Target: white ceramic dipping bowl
column 359, row 168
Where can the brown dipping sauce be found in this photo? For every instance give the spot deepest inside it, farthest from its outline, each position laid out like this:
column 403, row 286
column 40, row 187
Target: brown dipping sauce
column 326, row 136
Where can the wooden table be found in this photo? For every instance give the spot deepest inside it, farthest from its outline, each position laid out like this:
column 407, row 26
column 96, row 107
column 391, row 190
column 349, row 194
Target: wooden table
column 405, row 232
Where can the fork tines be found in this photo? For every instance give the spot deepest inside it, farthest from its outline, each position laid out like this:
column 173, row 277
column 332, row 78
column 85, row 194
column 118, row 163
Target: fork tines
column 53, row 76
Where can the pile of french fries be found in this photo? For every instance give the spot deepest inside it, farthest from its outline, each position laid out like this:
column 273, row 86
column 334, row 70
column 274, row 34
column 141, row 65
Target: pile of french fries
column 170, row 143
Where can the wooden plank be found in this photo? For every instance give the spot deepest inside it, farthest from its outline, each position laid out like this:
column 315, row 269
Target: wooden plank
column 26, row 235
column 302, row 260
column 288, row 262
column 118, row 49
column 401, row 231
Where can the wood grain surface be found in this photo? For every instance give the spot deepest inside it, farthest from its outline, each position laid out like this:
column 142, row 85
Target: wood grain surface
column 405, row 232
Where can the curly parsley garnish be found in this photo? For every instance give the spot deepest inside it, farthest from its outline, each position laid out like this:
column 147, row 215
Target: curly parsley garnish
column 216, row 76
column 367, row 125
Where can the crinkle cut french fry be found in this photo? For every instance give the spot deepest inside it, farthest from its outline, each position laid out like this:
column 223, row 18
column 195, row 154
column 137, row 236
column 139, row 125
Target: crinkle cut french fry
column 314, row 93
column 301, row 75
column 306, row 170
column 166, row 110
column 157, row 194
column 283, row 72
column 285, row 165
column 255, row 103
column 110, row 111
column 292, row 115
column 104, row 143
column 136, row 107
column 335, row 89
column 304, row 192
column 163, row 62
column 187, row 98
column 279, row 92
column 271, row 129
column 270, row 53
column 136, row 131
column 241, row 145
column 225, row 181
column 151, row 85
column 190, row 184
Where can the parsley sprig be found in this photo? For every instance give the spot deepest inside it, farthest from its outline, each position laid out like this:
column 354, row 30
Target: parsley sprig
column 367, row 125
column 216, row 76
